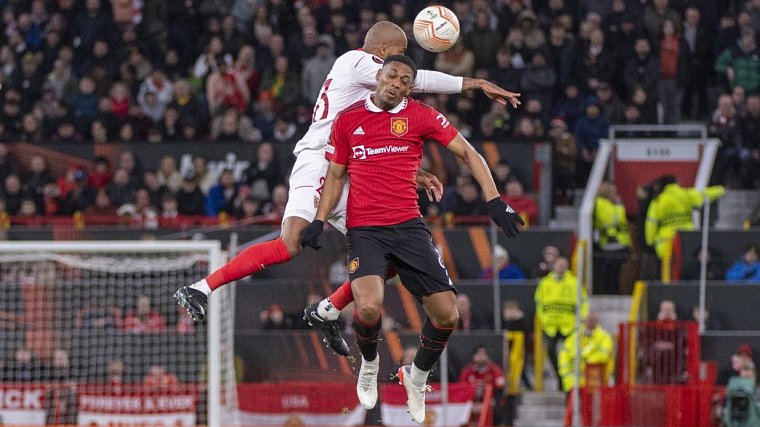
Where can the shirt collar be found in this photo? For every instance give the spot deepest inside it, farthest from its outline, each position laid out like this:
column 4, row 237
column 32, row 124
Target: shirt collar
column 368, row 104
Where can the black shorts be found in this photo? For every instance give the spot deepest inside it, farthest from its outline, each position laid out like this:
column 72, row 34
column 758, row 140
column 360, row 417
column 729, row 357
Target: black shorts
column 408, row 247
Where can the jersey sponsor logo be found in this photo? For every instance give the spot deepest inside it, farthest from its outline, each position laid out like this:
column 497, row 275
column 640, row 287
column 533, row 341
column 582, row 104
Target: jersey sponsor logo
column 353, row 265
column 359, row 131
column 399, row 126
column 361, row 152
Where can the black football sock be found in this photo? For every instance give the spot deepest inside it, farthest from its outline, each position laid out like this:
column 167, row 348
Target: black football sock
column 366, row 336
column 432, row 342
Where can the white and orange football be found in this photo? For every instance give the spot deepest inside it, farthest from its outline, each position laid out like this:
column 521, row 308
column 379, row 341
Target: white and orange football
column 436, row 28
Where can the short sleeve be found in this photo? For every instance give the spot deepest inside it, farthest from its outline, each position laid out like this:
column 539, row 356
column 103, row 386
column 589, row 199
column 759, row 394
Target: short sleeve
column 337, row 146
column 364, row 72
column 438, row 127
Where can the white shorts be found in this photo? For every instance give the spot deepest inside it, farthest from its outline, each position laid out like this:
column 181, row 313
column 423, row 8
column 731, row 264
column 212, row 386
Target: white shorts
column 306, row 181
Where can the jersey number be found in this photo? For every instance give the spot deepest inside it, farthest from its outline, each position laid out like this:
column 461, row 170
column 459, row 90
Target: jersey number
column 322, row 102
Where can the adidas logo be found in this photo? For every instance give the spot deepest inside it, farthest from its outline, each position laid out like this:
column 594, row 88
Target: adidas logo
column 359, row 131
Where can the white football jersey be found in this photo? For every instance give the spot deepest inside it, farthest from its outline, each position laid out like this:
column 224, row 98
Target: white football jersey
column 351, row 80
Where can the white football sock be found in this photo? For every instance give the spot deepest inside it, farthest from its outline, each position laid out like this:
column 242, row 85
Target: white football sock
column 419, row 377
column 202, row 286
column 327, row 311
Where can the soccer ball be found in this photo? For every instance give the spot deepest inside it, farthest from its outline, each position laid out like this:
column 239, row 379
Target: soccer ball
column 436, row 28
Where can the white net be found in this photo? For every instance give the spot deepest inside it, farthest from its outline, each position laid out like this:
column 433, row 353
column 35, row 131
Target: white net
column 90, row 334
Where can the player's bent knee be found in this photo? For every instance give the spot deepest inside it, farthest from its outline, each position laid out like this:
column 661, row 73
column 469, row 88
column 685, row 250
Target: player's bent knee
column 369, row 312
column 447, row 320
column 292, row 244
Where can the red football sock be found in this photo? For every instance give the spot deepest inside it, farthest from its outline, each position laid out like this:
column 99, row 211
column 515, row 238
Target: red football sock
column 342, row 296
column 252, row 259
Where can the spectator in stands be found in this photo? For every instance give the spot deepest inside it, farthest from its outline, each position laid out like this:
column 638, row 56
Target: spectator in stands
column 710, row 323
column 555, row 299
column 740, row 65
column 610, row 103
column 467, row 201
column 202, row 175
column 190, row 200
column 231, row 126
column 315, row 69
column 671, row 210
column 742, row 355
column 596, row 348
column 250, row 209
column 274, row 318
column 696, row 61
column 25, row 366
column 549, row 255
column 502, row 173
column 458, row 61
column 513, row 320
column 245, row 67
column 523, row 204
column 672, row 72
column 186, row 104
column 37, row 177
column 226, row 89
column 156, row 190
column 129, row 161
column 741, row 407
column 167, row 173
column 143, row 319
column 264, row 173
column 747, row 269
column 507, row 270
column 7, row 164
column 480, row 373
column 733, row 155
column 282, row 83
column 496, row 124
column 101, row 206
column 595, row 62
column 539, row 78
column 276, row 207
column 469, row 320
column 13, row 193
column 692, row 266
column 97, row 316
column 612, row 239
column 664, row 357
column 120, row 189
column 115, row 375
column 158, row 380
column 221, row 196
column 588, row 130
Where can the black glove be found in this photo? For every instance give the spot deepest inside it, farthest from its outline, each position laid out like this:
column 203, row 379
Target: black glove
column 505, row 217
column 310, row 234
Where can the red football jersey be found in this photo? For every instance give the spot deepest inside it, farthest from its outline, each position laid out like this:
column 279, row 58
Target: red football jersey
column 383, row 151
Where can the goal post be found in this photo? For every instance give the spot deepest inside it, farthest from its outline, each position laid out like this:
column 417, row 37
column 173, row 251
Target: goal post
column 90, row 334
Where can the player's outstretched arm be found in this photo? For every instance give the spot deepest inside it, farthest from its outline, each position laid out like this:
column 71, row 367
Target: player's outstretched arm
column 331, row 192
column 436, row 82
column 501, row 213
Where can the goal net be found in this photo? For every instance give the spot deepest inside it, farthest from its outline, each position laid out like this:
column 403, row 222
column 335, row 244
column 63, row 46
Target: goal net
column 90, row 334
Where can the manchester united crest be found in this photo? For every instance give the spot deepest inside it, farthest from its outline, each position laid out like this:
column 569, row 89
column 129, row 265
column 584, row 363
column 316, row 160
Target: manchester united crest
column 353, row 265
column 399, row 126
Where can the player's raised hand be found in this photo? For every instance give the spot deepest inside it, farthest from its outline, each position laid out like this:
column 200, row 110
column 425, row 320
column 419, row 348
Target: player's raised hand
column 431, row 185
column 505, row 217
column 500, row 95
column 310, row 234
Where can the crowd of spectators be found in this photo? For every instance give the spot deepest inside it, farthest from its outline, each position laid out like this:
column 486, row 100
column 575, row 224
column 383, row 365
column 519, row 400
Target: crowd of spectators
column 248, row 71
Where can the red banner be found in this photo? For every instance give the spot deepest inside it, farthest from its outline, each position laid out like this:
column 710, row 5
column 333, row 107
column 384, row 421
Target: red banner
column 137, row 406
column 307, row 403
column 22, row 404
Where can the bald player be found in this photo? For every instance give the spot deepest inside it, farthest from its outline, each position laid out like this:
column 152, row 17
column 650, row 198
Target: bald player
column 351, row 80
